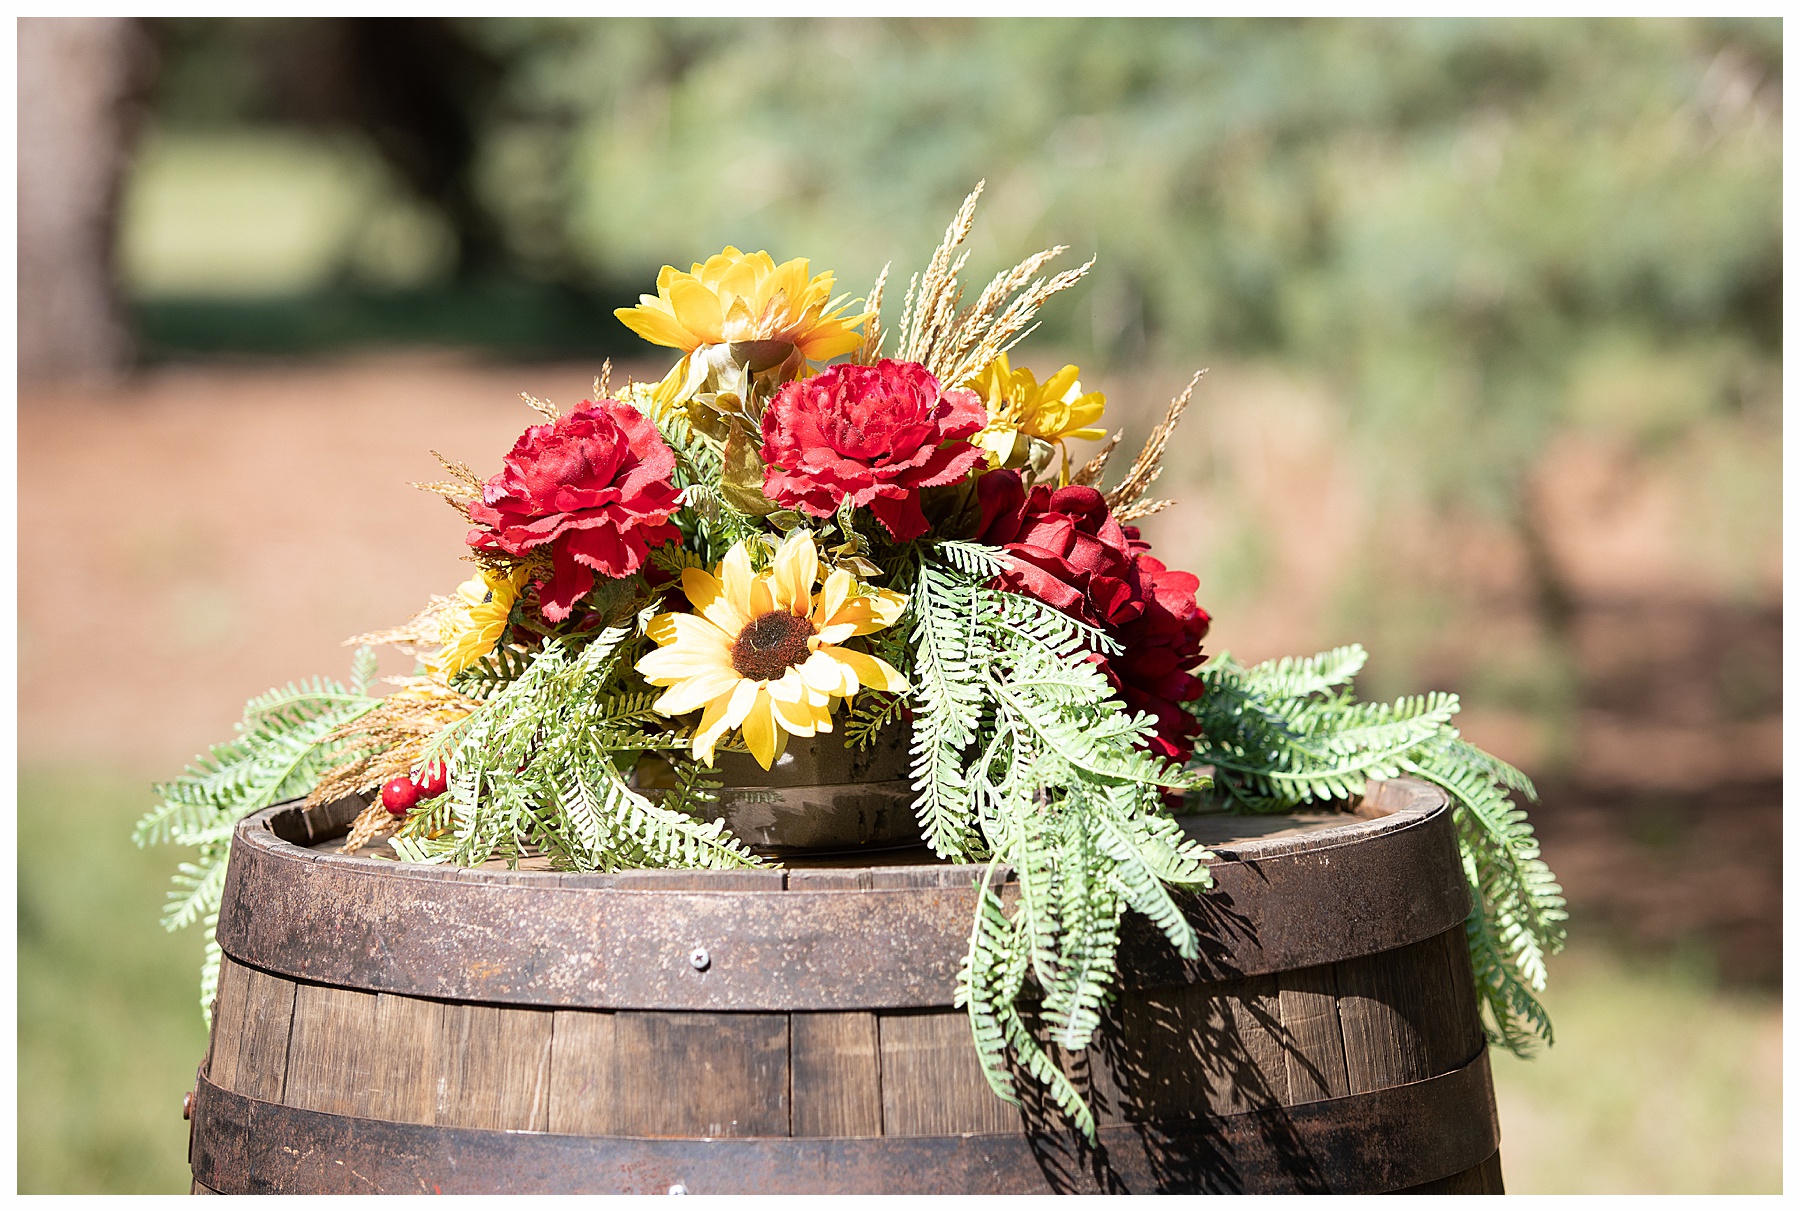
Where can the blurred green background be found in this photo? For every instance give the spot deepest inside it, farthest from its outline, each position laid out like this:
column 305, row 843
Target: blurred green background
column 1493, row 311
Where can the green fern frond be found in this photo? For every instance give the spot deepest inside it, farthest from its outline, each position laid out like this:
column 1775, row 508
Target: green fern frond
column 1288, row 732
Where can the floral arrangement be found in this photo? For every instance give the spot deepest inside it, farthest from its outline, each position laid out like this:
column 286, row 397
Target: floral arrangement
column 799, row 531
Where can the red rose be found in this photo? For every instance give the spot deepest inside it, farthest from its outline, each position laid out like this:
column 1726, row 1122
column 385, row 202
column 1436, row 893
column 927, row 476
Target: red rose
column 1066, row 550
column 594, row 486
column 873, row 435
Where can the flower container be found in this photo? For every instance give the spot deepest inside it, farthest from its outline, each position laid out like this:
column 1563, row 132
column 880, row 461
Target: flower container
column 394, row 1027
column 821, row 797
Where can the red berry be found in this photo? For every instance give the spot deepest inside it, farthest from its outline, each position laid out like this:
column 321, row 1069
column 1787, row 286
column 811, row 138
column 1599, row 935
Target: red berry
column 399, row 796
column 431, row 783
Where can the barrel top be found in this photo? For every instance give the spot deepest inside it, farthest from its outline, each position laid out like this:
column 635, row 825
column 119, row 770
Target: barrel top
column 1232, row 837
column 1287, row 893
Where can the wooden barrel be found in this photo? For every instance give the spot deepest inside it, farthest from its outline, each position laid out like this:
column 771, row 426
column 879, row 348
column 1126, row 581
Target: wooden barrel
column 387, row 1027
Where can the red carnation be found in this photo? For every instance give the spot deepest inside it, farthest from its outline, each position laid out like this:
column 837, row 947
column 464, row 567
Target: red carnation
column 873, row 435
column 594, row 486
column 1068, row 551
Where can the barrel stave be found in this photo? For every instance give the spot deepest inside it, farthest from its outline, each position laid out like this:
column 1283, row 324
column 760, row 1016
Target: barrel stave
column 836, row 1074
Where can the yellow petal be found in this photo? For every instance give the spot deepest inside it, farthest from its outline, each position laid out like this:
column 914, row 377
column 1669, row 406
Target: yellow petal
column 1058, row 384
column 708, row 597
column 696, row 692
column 867, row 614
column 759, row 729
column 735, row 575
column 837, row 591
column 762, row 597
column 692, row 631
column 796, row 718
column 697, row 309
column 822, row 344
column 788, row 688
column 870, row 671
column 833, row 633
column 711, row 728
column 795, row 569
column 743, row 698
column 823, row 674
column 668, row 665
column 657, row 326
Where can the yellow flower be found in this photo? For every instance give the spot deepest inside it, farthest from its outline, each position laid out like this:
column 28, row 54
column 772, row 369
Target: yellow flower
column 760, row 652
column 736, row 297
column 1054, row 411
column 472, row 626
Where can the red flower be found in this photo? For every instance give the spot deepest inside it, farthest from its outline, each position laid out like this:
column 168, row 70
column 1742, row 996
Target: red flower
column 873, row 435
column 594, row 486
column 1067, row 551
column 1161, row 645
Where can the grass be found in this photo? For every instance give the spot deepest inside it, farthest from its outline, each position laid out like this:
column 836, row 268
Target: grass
column 1659, row 1080
column 109, row 1017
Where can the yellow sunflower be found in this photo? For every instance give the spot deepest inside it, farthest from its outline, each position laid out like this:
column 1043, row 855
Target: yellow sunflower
column 1054, row 411
column 735, row 297
column 760, row 652
column 473, row 624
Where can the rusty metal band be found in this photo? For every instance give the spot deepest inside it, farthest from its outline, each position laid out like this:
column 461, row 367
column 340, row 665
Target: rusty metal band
column 1381, row 1141
column 544, row 940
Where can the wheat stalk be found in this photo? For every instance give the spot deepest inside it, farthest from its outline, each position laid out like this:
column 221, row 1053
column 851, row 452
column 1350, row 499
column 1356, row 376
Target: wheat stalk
column 923, row 306
column 873, row 336
column 1148, row 465
column 955, row 345
column 1094, row 468
column 397, row 730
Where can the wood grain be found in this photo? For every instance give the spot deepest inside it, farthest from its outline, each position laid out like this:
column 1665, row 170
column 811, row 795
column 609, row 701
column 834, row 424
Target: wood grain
column 931, row 1079
column 494, row 1068
column 366, row 1054
column 836, row 1075
column 251, row 1025
column 1314, row 1042
column 681, row 1074
column 581, row 1073
column 1199, row 1050
column 1403, row 1021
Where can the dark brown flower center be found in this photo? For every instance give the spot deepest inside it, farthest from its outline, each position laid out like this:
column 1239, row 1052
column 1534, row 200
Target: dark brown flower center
column 771, row 645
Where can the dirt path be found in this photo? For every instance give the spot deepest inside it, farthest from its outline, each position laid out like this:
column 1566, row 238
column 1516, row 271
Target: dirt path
column 200, row 535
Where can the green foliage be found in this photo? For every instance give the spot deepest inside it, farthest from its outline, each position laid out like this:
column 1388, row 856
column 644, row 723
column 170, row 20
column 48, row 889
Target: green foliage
column 1023, row 757
column 1288, row 732
column 537, row 768
column 1455, row 219
column 281, row 749
column 504, row 665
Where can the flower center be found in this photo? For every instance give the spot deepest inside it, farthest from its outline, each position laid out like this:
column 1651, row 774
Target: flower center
column 771, row 645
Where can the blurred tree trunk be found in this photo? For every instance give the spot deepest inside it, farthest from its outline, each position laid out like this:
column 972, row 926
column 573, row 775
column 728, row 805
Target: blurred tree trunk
column 78, row 82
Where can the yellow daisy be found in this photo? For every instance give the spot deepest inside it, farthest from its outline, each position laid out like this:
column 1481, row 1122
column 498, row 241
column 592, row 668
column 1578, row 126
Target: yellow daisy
column 1054, row 411
column 760, row 652
column 735, row 297
column 473, row 624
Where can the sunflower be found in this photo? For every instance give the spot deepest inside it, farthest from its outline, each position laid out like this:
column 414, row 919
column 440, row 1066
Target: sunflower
column 735, row 297
column 1054, row 411
column 760, row 652
column 477, row 616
